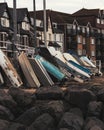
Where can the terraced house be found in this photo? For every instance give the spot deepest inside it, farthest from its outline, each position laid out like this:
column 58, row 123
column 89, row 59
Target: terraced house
column 82, row 31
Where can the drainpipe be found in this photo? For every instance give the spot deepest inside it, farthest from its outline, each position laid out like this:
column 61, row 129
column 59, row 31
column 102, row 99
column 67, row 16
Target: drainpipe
column 44, row 14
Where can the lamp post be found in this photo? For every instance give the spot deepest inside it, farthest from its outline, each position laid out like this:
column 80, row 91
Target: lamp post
column 44, row 8
column 14, row 26
column 35, row 40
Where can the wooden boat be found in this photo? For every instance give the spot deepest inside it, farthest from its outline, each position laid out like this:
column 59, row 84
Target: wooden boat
column 41, row 72
column 9, row 70
column 1, row 79
column 28, row 71
column 52, row 69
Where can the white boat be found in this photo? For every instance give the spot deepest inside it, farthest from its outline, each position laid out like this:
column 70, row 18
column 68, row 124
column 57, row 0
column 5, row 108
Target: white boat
column 74, row 68
column 85, row 59
column 9, row 70
column 28, row 71
column 68, row 57
column 41, row 72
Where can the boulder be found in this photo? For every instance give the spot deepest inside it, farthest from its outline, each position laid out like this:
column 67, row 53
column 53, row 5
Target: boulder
column 7, row 100
column 100, row 95
column 71, row 121
column 95, row 109
column 46, row 93
column 5, row 113
column 4, row 125
column 29, row 116
column 79, row 97
column 16, row 126
column 22, row 98
column 93, row 122
column 43, row 122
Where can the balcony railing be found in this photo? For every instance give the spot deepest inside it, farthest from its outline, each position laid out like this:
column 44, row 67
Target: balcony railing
column 7, row 47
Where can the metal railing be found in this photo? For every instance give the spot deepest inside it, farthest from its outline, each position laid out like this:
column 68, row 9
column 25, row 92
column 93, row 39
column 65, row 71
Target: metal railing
column 6, row 46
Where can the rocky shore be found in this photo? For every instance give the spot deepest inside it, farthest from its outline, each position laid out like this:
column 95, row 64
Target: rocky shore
column 72, row 106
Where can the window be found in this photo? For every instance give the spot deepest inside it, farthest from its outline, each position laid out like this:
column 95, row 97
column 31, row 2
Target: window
column 49, row 37
column 5, row 22
column 102, row 31
column 54, row 25
column 25, row 26
column 92, row 41
column 84, row 40
column 79, row 39
column 83, row 29
column 98, row 20
column 84, row 52
column 87, row 29
column 92, row 53
column 102, row 21
column 3, row 39
column 74, row 26
column 41, row 24
column 79, row 52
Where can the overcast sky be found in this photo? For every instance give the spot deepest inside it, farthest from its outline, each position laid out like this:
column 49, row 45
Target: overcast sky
column 67, row 6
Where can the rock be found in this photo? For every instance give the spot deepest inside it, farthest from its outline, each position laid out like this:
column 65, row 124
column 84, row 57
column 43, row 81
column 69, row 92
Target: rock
column 4, row 125
column 43, row 122
column 55, row 109
column 95, row 109
column 64, row 129
column 7, row 101
column 5, row 113
column 16, row 126
column 23, row 98
column 100, row 95
column 80, row 97
column 76, row 111
column 93, row 122
column 46, row 93
column 71, row 121
column 29, row 116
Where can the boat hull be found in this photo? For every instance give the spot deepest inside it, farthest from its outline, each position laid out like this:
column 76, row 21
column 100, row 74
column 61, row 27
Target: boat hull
column 9, row 70
column 41, row 73
column 53, row 70
column 28, row 71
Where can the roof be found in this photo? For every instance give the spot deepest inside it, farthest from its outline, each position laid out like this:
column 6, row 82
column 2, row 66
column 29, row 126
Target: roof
column 21, row 13
column 3, row 6
column 87, row 12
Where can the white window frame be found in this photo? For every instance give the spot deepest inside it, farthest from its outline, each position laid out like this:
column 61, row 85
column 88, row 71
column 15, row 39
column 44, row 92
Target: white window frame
column 92, row 53
column 98, row 20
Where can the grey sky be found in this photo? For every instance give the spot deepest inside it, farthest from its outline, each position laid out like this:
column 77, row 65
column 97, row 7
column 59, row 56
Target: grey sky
column 67, row 6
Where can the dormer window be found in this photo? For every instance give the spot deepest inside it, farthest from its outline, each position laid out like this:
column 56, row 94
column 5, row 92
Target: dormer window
column 54, row 25
column 4, row 22
column 98, row 20
column 25, row 26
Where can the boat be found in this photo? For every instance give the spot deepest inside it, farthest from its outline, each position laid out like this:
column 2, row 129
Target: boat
column 41, row 72
column 68, row 57
column 52, row 69
column 77, row 65
column 9, row 70
column 85, row 59
column 70, row 73
column 1, row 79
column 28, row 71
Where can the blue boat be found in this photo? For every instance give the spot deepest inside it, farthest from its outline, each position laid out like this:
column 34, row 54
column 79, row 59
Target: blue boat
column 80, row 67
column 52, row 69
